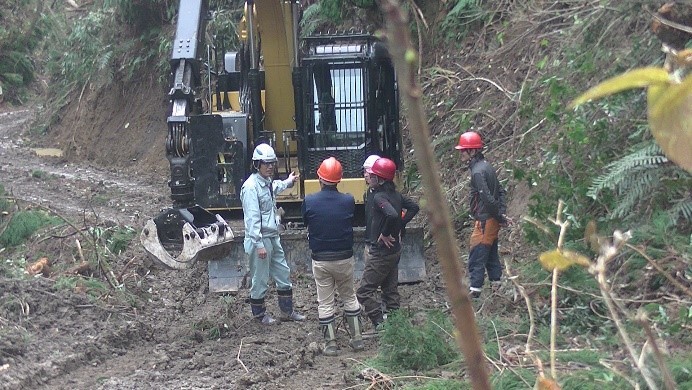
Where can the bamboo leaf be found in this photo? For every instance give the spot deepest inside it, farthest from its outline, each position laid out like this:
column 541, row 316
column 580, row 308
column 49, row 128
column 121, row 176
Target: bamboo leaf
column 671, row 122
column 636, row 78
column 591, row 236
column 561, row 260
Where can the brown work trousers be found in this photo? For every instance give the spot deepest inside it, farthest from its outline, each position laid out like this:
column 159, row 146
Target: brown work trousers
column 332, row 277
column 380, row 272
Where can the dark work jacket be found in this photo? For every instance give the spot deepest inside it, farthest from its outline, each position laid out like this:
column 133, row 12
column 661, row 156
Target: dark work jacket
column 328, row 214
column 386, row 218
column 367, row 201
column 487, row 195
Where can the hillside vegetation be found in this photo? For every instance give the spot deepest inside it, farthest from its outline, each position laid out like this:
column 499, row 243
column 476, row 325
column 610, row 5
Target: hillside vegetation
column 506, row 69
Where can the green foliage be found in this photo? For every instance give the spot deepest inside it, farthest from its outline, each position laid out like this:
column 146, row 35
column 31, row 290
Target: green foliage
column 332, row 12
column 4, row 203
column 462, row 17
column 13, row 268
column 21, row 30
column 644, row 180
column 223, row 28
column 405, row 346
column 331, row 9
column 210, row 328
column 22, row 225
column 411, row 177
column 681, row 370
column 39, row 174
column 66, row 282
column 120, row 239
column 116, row 239
column 517, row 378
column 596, row 377
column 312, row 18
column 442, row 144
column 94, row 57
column 143, row 15
column 574, row 147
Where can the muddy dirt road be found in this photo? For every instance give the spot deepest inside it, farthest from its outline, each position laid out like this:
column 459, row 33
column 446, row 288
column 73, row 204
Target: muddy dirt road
column 158, row 329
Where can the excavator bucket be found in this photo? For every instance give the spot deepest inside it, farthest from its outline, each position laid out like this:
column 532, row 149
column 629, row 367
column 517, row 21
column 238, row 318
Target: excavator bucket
column 203, row 236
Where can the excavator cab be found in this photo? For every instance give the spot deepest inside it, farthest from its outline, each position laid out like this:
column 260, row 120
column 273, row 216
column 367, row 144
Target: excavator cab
column 348, row 110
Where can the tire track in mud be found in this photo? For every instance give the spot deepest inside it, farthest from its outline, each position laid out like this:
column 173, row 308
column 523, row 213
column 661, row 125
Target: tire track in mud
column 75, row 189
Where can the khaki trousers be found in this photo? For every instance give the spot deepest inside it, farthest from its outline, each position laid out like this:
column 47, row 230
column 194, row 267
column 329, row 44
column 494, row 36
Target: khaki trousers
column 332, row 277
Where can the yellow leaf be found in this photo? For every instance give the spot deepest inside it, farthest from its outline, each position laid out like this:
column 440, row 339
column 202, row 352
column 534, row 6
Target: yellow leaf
column 577, row 258
column 561, row 260
column 591, row 236
column 670, row 117
column 636, row 78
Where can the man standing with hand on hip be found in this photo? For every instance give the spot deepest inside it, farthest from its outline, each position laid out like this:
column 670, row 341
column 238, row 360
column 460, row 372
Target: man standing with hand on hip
column 386, row 226
column 262, row 243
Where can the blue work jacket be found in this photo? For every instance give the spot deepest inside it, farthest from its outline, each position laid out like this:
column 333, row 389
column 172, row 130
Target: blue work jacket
column 259, row 209
column 328, row 214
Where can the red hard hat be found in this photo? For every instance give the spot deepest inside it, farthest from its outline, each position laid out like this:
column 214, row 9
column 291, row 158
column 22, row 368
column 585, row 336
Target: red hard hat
column 330, row 170
column 469, row 140
column 384, row 168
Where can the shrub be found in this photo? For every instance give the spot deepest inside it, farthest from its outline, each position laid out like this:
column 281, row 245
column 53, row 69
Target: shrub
column 22, row 225
column 405, row 346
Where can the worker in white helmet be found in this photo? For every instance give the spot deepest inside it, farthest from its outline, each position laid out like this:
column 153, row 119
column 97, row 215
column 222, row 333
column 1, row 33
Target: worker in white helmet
column 262, row 244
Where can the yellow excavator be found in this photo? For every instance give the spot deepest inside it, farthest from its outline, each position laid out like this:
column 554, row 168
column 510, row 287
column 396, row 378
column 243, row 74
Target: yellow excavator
column 325, row 95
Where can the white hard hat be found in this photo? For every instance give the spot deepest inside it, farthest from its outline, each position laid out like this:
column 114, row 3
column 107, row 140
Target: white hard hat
column 264, row 152
column 370, row 161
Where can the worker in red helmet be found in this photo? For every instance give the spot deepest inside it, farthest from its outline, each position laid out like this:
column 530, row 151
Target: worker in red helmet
column 328, row 215
column 488, row 209
column 383, row 251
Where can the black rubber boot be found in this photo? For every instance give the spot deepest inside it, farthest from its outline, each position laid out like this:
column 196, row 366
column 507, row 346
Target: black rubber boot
column 377, row 319
column 259, row 312
column 286, row 306
column 355, row 329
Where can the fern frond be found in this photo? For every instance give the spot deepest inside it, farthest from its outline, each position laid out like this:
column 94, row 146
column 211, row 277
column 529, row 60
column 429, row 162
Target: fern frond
column 640, row 178
column 629, row 199
column 649, row 156
column 681, row 209
column 312, row 17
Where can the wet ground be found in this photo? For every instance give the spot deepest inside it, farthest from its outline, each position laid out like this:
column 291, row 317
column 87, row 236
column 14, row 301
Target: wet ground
column 158, row 329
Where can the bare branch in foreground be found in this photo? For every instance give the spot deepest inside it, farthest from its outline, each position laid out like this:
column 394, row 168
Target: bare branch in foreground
column 404, row 57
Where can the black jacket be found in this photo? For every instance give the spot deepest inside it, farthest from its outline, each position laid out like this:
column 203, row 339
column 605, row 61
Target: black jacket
column 487, row 194
column 367, row 201
column 328, row 214
column 386, row 219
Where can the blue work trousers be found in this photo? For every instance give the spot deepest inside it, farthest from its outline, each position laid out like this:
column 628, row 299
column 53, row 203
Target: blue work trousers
column 273, row 266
